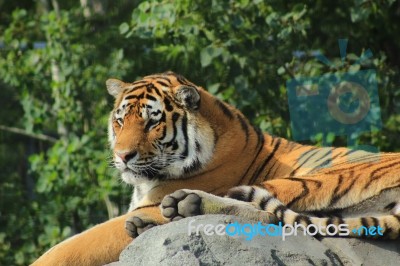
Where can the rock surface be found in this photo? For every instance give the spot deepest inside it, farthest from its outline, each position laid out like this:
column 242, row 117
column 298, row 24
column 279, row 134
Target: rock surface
column 171, row 244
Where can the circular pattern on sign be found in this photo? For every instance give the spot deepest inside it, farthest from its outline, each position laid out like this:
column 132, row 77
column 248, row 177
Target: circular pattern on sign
column 358, row 92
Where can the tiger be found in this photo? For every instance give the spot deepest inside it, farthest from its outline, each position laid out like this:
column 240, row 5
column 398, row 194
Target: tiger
column 187, row 153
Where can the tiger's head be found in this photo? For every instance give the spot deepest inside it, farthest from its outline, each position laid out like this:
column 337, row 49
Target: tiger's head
column 156, row 131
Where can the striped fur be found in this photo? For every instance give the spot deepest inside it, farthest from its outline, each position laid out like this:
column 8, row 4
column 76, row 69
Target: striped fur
column 168, row 134
column 303, row 178
column 265, row 201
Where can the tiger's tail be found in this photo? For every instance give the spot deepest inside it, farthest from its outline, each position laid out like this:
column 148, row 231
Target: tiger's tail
column 385, row 226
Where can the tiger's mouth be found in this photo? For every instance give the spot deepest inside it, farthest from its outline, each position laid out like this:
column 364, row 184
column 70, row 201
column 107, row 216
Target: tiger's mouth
column 155, row 168
column 142, row 174
column 149, row 172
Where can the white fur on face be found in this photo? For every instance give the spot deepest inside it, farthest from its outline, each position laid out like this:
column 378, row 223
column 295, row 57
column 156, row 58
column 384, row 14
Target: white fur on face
column 202, row 137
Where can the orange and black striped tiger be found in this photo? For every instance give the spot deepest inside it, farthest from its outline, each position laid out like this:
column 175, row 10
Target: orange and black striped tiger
column 176, row 143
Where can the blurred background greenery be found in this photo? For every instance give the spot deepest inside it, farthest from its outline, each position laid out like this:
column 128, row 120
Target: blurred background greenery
column 55, row 56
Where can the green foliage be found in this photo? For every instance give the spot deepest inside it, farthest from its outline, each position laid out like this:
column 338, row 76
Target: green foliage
column 241, row 51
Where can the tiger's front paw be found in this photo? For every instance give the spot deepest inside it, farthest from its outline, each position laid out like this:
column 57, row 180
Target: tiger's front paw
column 135, row 225
column 181, row 204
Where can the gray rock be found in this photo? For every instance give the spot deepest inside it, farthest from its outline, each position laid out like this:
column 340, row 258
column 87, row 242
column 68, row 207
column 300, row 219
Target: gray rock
column 171, row 244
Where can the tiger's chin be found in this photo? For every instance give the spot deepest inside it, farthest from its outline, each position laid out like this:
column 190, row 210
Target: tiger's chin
column 133, row 178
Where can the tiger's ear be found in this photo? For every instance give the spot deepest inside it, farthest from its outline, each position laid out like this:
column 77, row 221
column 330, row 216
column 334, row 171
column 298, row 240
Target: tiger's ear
column 114, row 86
column 189, row 96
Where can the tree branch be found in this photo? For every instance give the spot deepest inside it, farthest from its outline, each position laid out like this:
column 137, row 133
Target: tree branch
column 28, row 134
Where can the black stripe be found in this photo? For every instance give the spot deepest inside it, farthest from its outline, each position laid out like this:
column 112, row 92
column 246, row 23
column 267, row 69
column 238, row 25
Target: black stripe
column 316, row 182
column 224, row 109
column 151, row 98
column 324, row 163
column 135, row 88
column 140, row 96
column 370, row 157
column 364, row 222
column 168, row 105
column 337, row 197
column 157, row 91
column 149, row 124
column 162, row 119
column 164, row 133
column 154, row 112
column 260, row 135
column 312, row 151
column 237, row 194
column 269, row 170
column 260, row 145
column 340, row 181
column 390, row 206
column 264, row 201
column 304, row 218
column 383, row 168
column 181, row 79
column 139, row 82
column 279, row 212
column 375, row 221
column 302, row 194
column 130, row 97
column 323, row 156
column 196, row 165
column 387, row 230
column 185, row 136
column 198, row 146
column 292, row 145
column 165, row 78
column 149, row 88
column 338, row 170
column 175, row 117
column 266, row 161
column 376, row 177
column 350, row 151
column 162, row 83
column 175, row 146
column 251, row 194
column 244, row 126
column 273, row 175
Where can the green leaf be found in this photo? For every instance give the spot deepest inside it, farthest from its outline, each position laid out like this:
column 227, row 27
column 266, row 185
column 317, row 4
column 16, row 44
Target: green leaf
column 208, row 54
column 123, row 28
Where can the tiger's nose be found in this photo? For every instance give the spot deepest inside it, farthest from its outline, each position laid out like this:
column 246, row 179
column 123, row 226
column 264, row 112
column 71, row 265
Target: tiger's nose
column 126, row 156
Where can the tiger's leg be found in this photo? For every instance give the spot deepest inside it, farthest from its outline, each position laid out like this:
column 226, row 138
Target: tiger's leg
column 259, row 204
column 136, row 224
column 186, row 203
column 102, row 243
